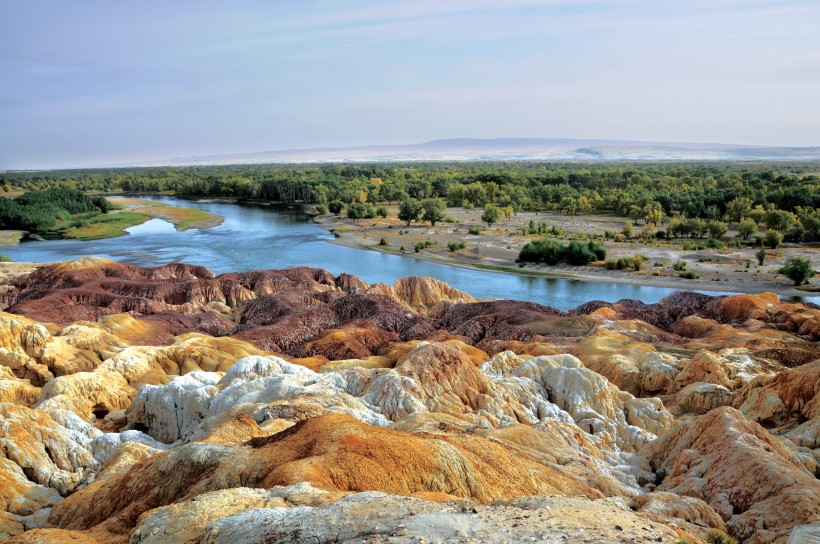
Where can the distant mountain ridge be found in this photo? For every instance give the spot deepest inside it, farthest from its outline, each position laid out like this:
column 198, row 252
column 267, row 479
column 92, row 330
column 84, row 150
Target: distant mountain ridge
column 511, row 149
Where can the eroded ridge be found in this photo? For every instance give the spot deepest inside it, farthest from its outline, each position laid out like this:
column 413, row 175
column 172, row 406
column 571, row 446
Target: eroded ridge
column 168, row 404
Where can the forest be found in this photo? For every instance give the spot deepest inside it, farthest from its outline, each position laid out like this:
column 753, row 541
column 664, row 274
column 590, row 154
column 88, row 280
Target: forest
column 40, row 212
column 780, row 196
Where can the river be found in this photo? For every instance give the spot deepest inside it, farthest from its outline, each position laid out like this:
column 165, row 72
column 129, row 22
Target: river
column 256, row 237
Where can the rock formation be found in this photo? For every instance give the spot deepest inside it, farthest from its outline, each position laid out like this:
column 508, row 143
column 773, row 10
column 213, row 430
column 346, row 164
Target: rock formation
column 168, row 404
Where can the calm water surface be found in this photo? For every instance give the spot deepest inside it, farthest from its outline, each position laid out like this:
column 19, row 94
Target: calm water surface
column 258, row 237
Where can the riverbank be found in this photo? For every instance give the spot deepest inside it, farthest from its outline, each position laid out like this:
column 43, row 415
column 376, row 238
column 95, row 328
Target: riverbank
column 181, row 217
column 496, row 248
column 115, row 223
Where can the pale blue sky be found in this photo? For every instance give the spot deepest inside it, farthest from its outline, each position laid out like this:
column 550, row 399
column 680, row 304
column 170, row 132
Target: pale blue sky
column 102, row 82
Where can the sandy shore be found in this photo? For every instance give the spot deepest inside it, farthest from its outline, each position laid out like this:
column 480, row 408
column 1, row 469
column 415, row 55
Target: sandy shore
column 181, row 217
column 495, row 249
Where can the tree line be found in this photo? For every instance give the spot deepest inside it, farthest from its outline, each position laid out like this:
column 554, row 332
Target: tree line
column 781, row 196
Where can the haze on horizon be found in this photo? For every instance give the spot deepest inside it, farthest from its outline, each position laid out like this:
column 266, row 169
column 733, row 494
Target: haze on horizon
column 95, row 82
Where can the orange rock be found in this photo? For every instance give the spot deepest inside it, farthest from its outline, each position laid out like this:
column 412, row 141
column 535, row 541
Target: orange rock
column 332, row 452
column 751, row 479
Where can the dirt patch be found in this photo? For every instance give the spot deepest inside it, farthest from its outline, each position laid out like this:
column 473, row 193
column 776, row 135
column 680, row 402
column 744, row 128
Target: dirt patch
column 497, row 247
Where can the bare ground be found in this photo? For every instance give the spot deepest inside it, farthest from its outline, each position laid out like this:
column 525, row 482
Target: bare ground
column 728, row 269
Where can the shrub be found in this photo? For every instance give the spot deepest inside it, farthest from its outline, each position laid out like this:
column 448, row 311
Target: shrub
column 772, row 238
column 336, row 206
column 713, row 536
column 761, row 256
column 689, row 275
column 358, row 210
column 680, row 266
column 714, row 243
column 422, row 245
column 381, row 211
column 475, row 230
column 660, row 235
column 717, row 229
column 455, row 246
column 321, row 209
column 546, row 251
column 552, row 252
column 4, row 259
column 382, row 242
column 746, row 228
column 578, row 254
column 628, row 230
column 625, row 262
column 798, row 269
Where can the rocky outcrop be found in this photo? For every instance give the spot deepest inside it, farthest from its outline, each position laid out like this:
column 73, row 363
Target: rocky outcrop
column 749, row 477
column 171, row 404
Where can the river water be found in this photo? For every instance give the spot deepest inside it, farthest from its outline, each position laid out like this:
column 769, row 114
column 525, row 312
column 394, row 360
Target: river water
column 256, row 237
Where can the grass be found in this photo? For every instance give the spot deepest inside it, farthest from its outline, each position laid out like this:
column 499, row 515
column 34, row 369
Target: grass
column 104, row 226
column 182, row 218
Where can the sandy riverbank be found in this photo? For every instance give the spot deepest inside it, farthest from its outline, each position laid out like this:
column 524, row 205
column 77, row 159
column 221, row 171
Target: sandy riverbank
column 496, row 249
column 181, row 217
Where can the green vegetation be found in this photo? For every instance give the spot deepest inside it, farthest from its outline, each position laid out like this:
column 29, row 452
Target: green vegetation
column 635, row 263
column 491, row 214
column 689, row 275
column 552, row 252
column 777, row 195
column 357, row 210
column 717, row 229
column 761, row 256
column 772, row 239
column 455, row 246
column 746, row 227
column 475, row 230
column 5, row 259
column 433, row 210
column 55, row 211
column 798, row 269
column 103, row 226
column 409, row 210
column 422, row 245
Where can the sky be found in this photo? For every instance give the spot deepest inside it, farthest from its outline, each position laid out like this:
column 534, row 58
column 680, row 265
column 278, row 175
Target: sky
column 99, row 82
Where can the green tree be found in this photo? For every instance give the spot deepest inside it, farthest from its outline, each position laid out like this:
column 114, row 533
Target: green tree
column 737, row 208
column 746, row 227
column 336, row 206
column 772, row 238
column 433, row 210
column 798, row 269
column 717, row 229
column 357, row 210
column 492, row 214
column 811, row 223
column 409, row 210
column 780, row 220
